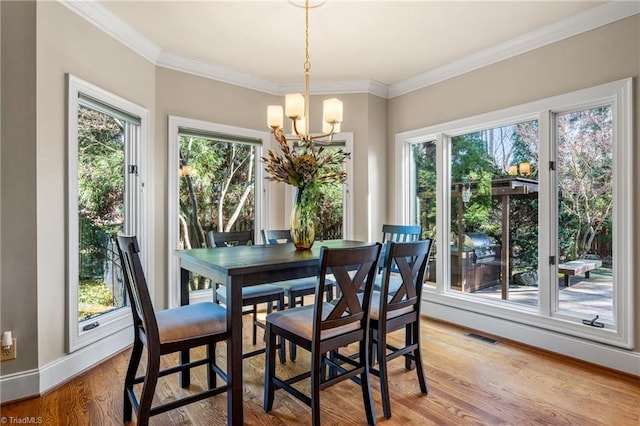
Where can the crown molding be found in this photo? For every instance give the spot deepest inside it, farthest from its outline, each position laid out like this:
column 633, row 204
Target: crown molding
column 224, row 75
column 552, row 33
column 593, row 18
column 338, row 87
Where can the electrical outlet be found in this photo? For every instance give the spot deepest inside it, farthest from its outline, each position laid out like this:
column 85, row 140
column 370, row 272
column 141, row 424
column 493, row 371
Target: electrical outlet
column 11, row 353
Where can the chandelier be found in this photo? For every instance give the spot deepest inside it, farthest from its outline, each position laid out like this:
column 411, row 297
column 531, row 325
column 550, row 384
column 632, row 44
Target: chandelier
column 297, row 106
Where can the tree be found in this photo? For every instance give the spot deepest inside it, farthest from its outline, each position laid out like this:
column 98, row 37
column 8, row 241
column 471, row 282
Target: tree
column 585, row 175
column 100, row 187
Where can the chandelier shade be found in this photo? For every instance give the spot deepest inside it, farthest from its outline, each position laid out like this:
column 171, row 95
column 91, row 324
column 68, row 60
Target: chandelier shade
column 296, row 106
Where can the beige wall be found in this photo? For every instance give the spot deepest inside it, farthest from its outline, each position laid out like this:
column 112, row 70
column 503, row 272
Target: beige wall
column 606, row 54
column 18, row 277
column 67, row 43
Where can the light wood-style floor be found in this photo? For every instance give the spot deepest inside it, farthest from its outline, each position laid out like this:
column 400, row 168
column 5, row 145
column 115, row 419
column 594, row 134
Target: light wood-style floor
column 471, row 382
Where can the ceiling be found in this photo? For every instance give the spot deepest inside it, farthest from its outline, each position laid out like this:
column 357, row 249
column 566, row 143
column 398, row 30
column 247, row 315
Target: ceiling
column 382, row 41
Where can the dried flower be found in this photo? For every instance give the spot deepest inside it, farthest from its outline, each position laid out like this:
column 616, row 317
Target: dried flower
column 305, row 166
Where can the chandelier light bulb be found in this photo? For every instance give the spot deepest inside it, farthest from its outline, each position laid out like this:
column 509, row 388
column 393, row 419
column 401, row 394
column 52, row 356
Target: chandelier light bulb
column 274, row 116
column 294, row 106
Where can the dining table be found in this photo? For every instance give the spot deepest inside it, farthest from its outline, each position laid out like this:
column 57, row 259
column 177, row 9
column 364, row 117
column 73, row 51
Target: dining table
column 237, row 267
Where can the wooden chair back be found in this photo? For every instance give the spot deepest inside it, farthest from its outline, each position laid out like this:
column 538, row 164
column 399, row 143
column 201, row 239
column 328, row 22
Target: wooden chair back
column 276, row 236
column 401, row 233
column 352, row 268
column 397, row 233
column 410, row 260
column 228, row 239
column 144, row 318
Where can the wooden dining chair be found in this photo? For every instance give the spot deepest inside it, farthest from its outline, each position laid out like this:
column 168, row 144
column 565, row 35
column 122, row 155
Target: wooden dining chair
column 395, row 233
column 164, row 332
column 326, row 326
column 399, row 308
column 294, row 290
column 252, row 296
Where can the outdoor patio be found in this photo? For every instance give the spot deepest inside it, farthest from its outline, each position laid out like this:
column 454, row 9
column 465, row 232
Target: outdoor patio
column 589, row 296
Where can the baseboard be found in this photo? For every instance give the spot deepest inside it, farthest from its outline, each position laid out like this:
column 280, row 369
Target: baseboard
column 582, row 349
column 32, row 383
column 19, row 385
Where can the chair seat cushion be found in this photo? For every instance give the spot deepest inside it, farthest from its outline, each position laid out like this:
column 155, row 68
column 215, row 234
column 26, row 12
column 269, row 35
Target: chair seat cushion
column 299, row 321
column 395, row 281
column 191, row 321
column 299, row 284
column 374, row 311
column 261, row 290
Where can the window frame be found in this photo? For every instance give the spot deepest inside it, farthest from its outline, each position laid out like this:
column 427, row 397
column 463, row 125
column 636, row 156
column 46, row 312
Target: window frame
column 175, row 123
column 619, row 95
column 137, row 205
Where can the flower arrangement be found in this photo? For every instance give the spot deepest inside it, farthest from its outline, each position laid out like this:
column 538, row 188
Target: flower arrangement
column 308, row 166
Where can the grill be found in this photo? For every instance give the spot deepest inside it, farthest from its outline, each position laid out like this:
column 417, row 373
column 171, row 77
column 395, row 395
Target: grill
column 484, row 250
column 478, row 266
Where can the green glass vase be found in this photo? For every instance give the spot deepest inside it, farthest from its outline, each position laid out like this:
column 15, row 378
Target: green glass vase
column 303, row 217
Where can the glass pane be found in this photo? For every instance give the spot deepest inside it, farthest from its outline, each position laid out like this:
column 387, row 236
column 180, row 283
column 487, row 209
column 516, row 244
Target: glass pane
column 424, row 195
column 494, row 213
column 101, row 145
column 216, row 192
column 330, row 217
column 585, row 207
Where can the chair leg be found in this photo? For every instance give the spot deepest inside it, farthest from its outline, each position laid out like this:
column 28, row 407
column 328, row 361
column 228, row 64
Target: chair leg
column 417, row 356
column 283, row 350
column 384, row 377
column 148, row 389
column 134, row 362
column 270, row 369
column 254, row 323
column 293, row 302
column 409, row 363
column 365, row 385
column 212, row 379
column 316, row 377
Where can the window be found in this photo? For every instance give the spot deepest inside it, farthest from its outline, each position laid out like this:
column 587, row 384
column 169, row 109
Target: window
column 527, row 200
column 106, row 138
column 217, row 187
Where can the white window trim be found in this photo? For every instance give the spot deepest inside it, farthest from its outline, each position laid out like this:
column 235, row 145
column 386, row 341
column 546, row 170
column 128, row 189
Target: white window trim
column 619, row 94
column 173, row 263
column 112, row 322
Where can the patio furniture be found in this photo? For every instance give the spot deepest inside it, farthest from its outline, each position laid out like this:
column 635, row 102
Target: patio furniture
column 577, row 267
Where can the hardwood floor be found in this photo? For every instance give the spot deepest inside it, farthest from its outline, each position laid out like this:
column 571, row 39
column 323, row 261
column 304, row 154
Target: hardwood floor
column 471, row 382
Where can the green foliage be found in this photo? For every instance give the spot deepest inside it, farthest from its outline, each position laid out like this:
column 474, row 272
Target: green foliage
column 93, row 298
column 100, row 186
column 216, row 193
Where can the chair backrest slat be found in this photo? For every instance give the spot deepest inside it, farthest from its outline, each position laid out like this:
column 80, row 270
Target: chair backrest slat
column 227, row 239
column 410, row 259
column 144, row 318
column 353, row 268
column 401, row 233
column 397, row 233
column 276, row 236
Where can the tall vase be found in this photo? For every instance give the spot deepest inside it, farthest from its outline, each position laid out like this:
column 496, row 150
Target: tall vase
column 303, row 217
